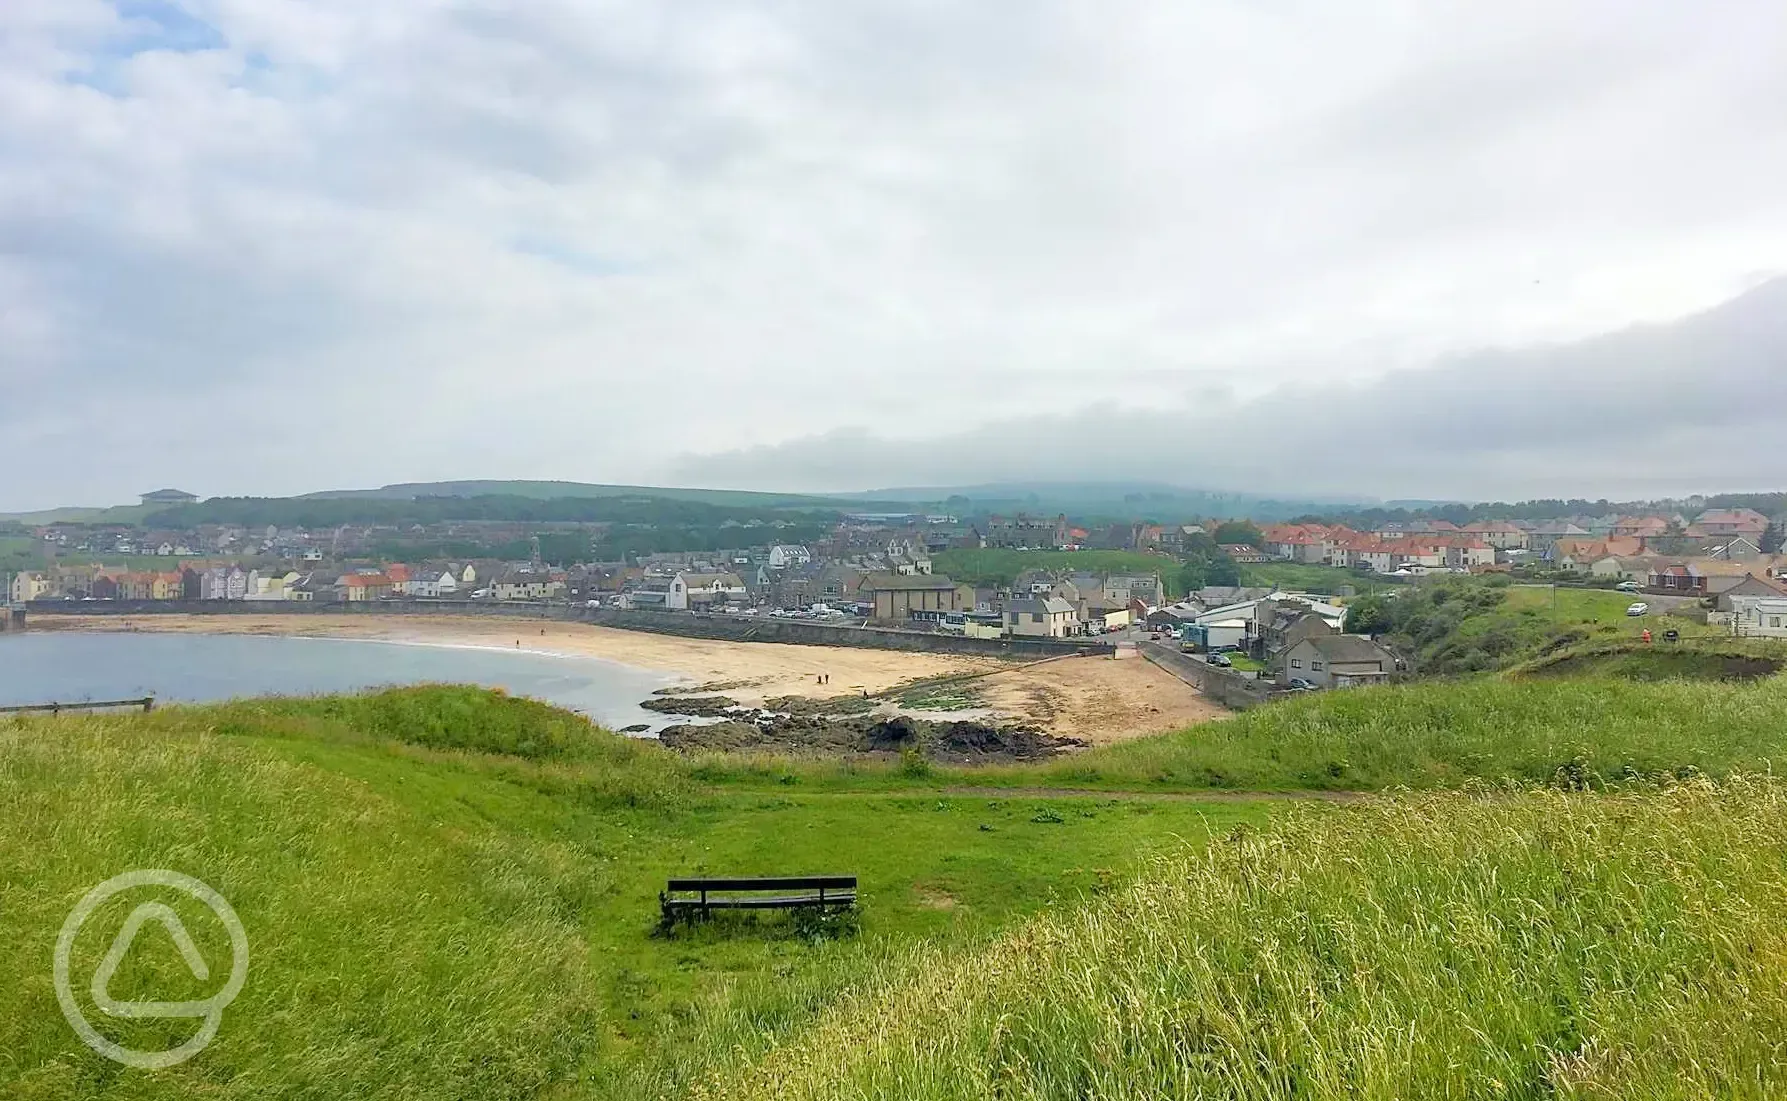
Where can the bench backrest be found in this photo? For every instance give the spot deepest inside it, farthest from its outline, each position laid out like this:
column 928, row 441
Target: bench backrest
column 775, row 883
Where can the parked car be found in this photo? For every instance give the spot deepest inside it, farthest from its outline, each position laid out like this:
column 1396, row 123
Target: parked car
column 1627, row 586
column 1221, row 661
column 1298, row 684
column 1640, row 608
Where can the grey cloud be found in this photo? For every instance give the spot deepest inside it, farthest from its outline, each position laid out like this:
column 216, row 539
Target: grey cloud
column 1691, row 406
column 565, row 240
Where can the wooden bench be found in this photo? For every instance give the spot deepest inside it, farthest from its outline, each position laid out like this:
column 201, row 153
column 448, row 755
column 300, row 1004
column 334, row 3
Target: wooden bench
column 824, row 892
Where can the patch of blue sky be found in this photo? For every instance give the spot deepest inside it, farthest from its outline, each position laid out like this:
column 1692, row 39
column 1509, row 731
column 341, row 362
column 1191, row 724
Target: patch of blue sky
column 148, row 25
column 584, row 263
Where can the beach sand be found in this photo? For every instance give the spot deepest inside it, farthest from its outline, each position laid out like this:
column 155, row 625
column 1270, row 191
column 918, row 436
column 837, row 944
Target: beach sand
column 1099, row 700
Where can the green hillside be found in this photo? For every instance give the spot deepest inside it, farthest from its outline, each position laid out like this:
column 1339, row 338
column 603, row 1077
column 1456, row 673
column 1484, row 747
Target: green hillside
column 452, row 893
column 1497, row 946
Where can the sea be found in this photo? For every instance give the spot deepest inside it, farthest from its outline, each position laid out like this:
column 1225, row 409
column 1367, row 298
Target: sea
column 80, row 667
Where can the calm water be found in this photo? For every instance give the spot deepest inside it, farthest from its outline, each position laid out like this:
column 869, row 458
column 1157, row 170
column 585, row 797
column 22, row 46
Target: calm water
column 51, row 666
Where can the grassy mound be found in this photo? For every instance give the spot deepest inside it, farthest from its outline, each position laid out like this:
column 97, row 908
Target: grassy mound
column 1439, row 735
column 1536, row 945
column 449, row 893
column 1695, row 660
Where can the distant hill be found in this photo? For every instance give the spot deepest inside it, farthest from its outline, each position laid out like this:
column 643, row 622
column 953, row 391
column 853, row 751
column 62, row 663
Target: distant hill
column 550, row 490
column 116, row 514
column 1108, row 500
column 1083, row 500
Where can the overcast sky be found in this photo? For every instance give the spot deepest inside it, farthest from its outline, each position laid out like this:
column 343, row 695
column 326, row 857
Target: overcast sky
column 271, row 246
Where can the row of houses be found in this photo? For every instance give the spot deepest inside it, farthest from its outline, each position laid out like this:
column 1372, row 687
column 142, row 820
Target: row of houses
column 1379, row 552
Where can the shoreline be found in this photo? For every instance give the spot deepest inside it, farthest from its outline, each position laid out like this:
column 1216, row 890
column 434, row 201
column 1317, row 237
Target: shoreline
column 1095, row 700
column 754, row 671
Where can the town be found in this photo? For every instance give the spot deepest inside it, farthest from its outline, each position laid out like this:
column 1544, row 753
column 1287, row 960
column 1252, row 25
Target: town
column 1216, row 587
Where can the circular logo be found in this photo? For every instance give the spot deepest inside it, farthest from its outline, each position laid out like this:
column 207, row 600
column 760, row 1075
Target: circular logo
column 209, row 1009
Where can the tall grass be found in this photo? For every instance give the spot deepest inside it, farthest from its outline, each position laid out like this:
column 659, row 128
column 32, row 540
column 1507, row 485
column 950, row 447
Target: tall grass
column 1439, row 735
column 398, row 949
column 1531, row 945
column 449, row 893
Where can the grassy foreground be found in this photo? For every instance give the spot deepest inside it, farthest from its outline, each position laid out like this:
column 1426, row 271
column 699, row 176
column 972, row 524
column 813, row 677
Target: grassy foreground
column 451, row 894
column 1539, row 945
column 1587, row 732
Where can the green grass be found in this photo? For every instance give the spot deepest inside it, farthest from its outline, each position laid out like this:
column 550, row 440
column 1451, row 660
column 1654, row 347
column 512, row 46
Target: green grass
column 452, row 894
column 18, row 552
column 1475, row 625
column 1302, row 577
column 993, row 566
column 1503, row 946
column 1441, row 735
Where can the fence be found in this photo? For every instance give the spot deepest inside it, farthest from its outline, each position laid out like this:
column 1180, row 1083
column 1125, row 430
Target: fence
column 147, row 703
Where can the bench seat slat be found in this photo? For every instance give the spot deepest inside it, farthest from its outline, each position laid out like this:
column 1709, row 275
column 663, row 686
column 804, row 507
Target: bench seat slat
column 759, row 902
column 770, row 883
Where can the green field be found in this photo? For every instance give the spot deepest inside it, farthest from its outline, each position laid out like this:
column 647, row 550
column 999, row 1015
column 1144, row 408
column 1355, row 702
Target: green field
column 432, row 920
column 1327, row 580
column 994, row 566
column 18, row 552
column 452, row 893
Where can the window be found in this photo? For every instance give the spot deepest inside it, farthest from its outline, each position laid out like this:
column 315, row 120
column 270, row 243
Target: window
column 1315, row 665
column 1774, row 621
column 1296, row 663
column 1036, row 617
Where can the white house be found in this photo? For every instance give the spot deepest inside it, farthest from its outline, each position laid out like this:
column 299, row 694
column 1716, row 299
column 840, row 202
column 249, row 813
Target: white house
column 1050, row 617
column 1761, row 616
column 689, row 590
column 527, row 585
column 783, row 556
column 272, row 586
column 428, row 583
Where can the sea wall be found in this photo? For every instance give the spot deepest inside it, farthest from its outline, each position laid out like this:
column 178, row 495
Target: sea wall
column 1227, row 687
column 686, row 624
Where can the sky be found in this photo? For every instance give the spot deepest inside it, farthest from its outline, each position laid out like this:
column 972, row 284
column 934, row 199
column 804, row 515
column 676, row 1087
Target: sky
column 1395, row 248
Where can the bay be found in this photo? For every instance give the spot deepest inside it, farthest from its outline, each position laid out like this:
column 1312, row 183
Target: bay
column 76, row 667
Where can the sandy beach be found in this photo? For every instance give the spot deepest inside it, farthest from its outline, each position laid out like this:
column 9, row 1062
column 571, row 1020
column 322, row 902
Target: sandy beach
column 1098, row 700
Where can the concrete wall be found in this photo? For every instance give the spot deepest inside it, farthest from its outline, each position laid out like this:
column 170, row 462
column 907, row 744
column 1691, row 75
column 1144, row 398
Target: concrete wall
column 12, row 618
column 686, row 624
column 1225, row 686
